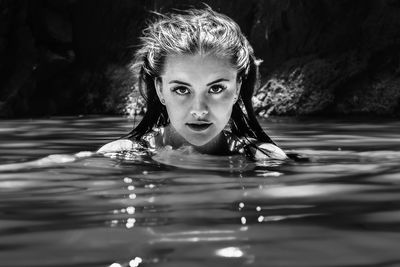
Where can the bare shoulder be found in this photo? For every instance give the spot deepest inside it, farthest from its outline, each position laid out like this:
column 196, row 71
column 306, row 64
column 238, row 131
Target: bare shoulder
column 116, row 146
column 271, row 151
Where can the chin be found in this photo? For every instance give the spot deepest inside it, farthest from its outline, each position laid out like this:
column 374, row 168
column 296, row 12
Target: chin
column 198, row 142
column 197, row 139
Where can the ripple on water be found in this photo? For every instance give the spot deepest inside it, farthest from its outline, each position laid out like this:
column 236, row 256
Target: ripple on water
column 186, row 158
column 339, row 208
column 308, row 190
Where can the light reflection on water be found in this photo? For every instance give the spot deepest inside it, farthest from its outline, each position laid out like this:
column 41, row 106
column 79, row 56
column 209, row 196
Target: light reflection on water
column 341, row 208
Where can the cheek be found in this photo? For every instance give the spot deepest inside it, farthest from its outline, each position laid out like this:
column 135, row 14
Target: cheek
column 176, row 101
column 222, row 104
column 223, row 112
column 177, row 107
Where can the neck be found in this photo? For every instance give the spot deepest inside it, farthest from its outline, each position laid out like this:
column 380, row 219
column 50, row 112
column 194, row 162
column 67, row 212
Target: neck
column 217, row 146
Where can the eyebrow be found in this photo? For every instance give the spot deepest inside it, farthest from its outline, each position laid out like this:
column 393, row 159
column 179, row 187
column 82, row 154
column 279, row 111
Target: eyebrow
column 179, row 82
column 217, row 81
column 208, row 84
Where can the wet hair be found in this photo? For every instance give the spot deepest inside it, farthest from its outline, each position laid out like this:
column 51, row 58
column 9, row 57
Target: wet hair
column 191, row 32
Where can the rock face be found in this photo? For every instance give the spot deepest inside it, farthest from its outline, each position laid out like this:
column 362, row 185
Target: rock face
column 329, row 57
column 320, row 56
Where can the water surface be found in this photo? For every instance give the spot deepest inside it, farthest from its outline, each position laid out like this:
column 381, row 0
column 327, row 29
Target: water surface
column 341, row 208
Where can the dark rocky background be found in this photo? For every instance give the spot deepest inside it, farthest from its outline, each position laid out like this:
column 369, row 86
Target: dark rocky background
column 321, row 57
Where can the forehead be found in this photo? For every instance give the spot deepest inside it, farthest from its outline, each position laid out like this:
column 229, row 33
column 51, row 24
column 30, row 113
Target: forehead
column 198, row 65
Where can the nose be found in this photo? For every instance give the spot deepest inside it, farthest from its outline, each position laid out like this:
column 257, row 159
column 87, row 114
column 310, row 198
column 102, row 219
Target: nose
column 198, row 115
column 199, row 109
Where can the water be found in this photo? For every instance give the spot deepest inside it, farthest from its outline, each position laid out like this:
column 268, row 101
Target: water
column 341, row 208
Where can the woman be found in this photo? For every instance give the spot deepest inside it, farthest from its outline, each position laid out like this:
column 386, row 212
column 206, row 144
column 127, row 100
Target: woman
column 197, row 73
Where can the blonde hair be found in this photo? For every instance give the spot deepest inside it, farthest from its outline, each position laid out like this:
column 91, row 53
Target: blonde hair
column 194, row 32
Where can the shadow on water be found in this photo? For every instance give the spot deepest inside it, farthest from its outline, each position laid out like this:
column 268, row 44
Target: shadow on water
column 23, row 140
column 339, row 208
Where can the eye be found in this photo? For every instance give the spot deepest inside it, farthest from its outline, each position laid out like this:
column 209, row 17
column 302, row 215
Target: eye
column 181, row 90
column 216, row 89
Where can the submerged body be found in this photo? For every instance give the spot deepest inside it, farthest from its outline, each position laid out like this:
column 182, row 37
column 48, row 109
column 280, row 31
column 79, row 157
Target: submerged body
column 160, row 139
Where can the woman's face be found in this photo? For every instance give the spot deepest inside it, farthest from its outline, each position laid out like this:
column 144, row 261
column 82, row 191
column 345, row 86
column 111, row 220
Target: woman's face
column 199, row 93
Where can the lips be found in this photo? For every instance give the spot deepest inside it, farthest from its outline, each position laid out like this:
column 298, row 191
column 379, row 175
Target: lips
column 199, row 126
